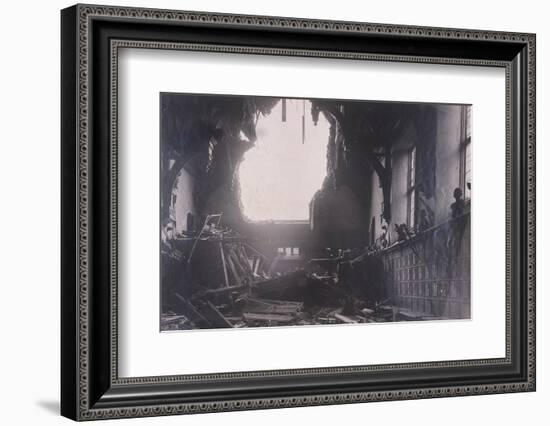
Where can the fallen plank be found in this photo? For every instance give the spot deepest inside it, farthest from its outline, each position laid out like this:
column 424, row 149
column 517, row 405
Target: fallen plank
column 255, row 265
column 167, row 318
column 367, row 311
column 271, row 306
column 237, row 261
column 225, row 276
column 222, row 320
column 245, row 260
column 345, row 319
column 250, row 316
column 222, row 290
column 276, row 302
column 408, row 315
column 233, row 270
column 189, row 306
column 233, row 319
column 272, row 309
column 334, row 312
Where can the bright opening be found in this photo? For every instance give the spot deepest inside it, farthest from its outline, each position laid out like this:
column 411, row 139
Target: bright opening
column 287, row 165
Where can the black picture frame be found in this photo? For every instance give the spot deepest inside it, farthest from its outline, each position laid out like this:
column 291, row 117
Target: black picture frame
column 90, row 386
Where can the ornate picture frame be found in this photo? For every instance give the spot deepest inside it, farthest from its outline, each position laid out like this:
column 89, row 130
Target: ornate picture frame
column 91, row 38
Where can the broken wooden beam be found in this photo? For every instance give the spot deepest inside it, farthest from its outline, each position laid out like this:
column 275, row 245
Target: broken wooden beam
column 256, row 305
column 236, row 276
column 221, row 321
column 276, row 309
column 408, row 315
column 367, row 311
column 250, row 316
column 223, row 290
column 189, row 307
column 345, row 319
column 222, row 254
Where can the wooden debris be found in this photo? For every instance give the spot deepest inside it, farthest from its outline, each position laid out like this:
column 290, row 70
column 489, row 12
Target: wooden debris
column 236, row 276
column 171, row 318
column 191, row 309
column 222, row 254
column 271, row 306
column 173, row 322
column 407, row 315
column 276, row 287
column 222, row 290
column 335, row 311
column 345, row 319
column 250, row 316
column 367, row 311
column 218, row 318
column 247, row 292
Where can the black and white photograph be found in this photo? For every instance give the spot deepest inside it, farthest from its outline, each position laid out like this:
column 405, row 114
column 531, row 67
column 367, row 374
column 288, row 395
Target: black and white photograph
column 286, row 212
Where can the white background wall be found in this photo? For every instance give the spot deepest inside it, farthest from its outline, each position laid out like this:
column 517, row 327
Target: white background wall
column 29, row 225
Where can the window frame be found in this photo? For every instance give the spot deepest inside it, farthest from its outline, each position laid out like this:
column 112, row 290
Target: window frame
column 411, row 186
column 465, row 146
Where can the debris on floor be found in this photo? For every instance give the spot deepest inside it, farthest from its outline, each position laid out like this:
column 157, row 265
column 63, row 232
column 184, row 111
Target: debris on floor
column 240, row 288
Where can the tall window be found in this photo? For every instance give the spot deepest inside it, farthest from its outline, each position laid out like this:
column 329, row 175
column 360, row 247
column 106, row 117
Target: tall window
column 466, row 153
column 411, row 188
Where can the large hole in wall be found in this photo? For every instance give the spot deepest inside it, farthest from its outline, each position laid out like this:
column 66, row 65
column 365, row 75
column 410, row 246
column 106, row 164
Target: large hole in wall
column 287, row 165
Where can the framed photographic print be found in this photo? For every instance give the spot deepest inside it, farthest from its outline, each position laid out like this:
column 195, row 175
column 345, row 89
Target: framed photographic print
column 263, row 212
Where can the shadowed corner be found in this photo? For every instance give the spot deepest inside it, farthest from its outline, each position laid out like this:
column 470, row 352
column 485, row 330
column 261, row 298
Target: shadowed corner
column 51, row 407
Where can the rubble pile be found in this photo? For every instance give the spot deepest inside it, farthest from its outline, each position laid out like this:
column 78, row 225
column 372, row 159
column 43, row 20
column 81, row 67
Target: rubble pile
column 249, row 294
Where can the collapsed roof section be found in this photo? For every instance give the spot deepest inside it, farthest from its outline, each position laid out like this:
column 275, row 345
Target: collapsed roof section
column 207, row 135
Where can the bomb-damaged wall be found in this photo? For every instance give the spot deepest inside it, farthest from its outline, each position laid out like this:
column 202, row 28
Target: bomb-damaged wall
column 437, row 173
column 430, row 273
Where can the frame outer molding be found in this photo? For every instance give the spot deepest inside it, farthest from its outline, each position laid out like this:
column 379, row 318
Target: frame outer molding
column 76, row 195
